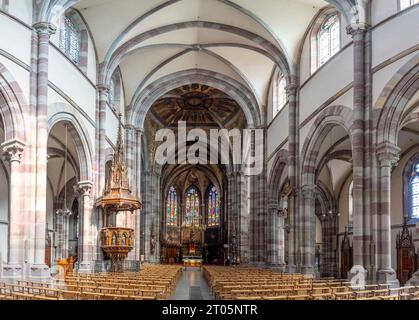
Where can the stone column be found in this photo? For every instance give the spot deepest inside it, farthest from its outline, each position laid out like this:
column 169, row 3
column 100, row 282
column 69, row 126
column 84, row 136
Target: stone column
column 101, row 136
column 388, row 156
column 13, row 150
column 308, row 229
column 272, row 244
column 293, row 149
column 138, row 173
column 231, row 228
column 242, row 217
column 44, row 31
column 361, row 236
column 281, row 239
column 88, row 242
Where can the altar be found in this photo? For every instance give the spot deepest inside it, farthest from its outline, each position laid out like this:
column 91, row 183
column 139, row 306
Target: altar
column 192, row 262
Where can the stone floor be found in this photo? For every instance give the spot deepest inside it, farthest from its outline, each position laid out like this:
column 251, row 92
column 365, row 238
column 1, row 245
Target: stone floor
column 192, row 286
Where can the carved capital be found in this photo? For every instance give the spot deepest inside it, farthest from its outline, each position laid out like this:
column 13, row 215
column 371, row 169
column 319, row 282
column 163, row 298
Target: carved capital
column 273, row 206
column 308, row 191
column 13, row 150
column 291, row 89
column 45, row 28
column 357, row 29
column 103, row 89
column 388, row 154
column 84, row 188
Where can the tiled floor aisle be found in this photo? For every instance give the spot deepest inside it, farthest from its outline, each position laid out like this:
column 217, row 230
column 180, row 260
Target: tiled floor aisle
column 192, row 286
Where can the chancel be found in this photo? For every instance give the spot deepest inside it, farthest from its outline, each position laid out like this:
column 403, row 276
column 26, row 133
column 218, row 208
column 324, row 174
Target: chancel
column 209, row 149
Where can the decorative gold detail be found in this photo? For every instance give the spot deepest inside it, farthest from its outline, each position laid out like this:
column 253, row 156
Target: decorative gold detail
column 117, row 243
column 117, row 197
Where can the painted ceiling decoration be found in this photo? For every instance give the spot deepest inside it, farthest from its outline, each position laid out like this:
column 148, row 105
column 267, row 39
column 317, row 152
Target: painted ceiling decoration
column 197, row 105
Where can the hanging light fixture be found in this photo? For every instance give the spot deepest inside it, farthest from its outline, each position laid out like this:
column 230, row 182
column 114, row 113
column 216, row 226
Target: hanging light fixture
column 64, row 211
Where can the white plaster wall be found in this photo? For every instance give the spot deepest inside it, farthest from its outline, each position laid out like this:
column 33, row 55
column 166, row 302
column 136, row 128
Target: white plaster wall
column 72, row 82
column 112, row 123
column 305, row 68
column 278, row 130
column 329, row 80
column 91, row 62
column 383, row 76
column 10, row 32
column 394, row 36
column 304, row 132
column 19, row 74
column 21, row 9
column 382, row 9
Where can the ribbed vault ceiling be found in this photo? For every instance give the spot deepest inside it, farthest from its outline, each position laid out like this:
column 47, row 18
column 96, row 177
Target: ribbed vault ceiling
column 240, row 54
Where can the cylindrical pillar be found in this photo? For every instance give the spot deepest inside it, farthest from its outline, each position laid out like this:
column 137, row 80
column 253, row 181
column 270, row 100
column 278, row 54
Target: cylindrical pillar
column 388, row 156
column 13, row 151
column 44, row 31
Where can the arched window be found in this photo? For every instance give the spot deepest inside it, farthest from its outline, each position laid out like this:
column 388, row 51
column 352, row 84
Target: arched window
column 414, row 193
column 329, row 39
column 213, row 208
column 192, row 215
column 171, row 207
column 70, row 40
column 404, row 4
column 280, row 95
column 325, row 42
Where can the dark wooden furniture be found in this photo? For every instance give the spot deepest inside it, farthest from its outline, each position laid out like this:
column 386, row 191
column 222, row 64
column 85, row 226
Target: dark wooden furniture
column 346, row 256
column 406, row 254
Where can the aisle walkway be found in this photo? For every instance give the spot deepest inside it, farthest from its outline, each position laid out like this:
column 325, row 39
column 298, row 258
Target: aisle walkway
column 192, row 286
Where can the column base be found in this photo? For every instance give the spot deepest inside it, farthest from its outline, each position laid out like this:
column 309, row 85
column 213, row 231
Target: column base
column 280, row 267
column 358, row 277
column 414, row 280
column 38, row 271
column 11, row 271
column 291, row 268
column 86, row 267
column 388, row 276
column 308, row 269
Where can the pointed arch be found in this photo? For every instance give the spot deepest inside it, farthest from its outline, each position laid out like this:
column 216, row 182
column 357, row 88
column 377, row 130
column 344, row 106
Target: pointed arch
column 81, row 141
column 328, row 118
column 13, row 106
column 391, row 104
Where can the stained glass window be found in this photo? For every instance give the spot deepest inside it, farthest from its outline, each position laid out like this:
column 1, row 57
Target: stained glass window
column 171, row 208
column 70, row 40
column 281, row 95
column 328, row 39
column 192, row 207
column 404, row 4
column 213, row 208
column 414, row 193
